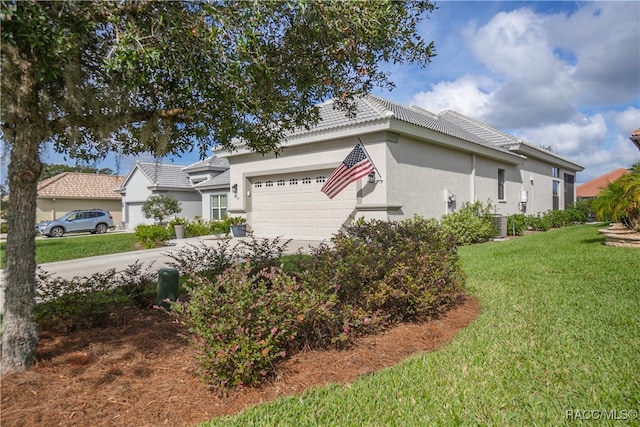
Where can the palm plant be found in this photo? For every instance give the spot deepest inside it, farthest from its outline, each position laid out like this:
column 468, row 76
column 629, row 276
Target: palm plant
column 620, row 200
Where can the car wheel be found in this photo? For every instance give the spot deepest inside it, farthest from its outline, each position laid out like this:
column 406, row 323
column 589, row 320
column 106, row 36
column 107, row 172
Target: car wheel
column 57, row 232
column 101, row 228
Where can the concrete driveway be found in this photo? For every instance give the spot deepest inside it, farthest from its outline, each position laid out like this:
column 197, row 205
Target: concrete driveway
column 85, row 267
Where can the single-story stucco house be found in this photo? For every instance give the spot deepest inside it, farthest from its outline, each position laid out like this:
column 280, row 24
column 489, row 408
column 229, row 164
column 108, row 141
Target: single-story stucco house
column 201, row 188
column 69, row 191
column 427, row 164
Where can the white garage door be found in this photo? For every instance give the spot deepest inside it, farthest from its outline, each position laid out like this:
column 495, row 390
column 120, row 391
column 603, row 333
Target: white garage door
column 293, row 206
column 135, row 216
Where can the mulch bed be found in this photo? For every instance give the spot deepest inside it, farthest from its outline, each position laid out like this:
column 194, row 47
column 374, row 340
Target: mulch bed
column 141, row 372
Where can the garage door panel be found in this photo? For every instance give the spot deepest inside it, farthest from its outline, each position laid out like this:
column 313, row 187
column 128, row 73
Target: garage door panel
column 294, row 207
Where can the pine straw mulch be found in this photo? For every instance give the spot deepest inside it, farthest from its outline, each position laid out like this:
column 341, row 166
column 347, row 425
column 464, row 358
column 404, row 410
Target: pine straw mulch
column 141, row 373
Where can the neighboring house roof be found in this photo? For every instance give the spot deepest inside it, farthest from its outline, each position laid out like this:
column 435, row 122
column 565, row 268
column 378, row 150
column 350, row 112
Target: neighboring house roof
column 160, row 175
column 75, row 185
column 635, row 138
column 220, row 181
column 593, row 187
column 210, row 163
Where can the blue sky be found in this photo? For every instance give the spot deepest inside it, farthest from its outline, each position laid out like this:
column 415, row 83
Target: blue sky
column 561, row 74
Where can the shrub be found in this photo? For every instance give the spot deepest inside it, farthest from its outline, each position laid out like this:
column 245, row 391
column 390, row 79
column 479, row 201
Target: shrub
column 85, row 302
column 253, row 314
column 243, row 323
column 211, row 260
column 538, row 222
column 516, row 224
column 580, row 211
column 204, row 261
column 473, row 223
column 262, row 253
column 388, row 271
column 197, row 227
column 151, row 236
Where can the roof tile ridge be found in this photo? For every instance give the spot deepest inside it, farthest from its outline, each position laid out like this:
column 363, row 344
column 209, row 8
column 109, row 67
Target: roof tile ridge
column 424, row 111
column 481, row 124
column 377, row 104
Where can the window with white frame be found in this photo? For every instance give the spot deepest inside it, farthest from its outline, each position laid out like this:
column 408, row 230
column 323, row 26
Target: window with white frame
column 218, row 206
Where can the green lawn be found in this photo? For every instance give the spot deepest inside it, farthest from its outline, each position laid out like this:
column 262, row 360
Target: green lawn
column 79, row 246
column 558, row 338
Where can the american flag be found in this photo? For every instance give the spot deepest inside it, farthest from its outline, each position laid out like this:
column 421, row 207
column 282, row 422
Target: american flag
column 355, row 166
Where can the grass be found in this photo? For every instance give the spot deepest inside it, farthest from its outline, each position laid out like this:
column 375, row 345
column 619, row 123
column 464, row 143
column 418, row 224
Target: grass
column 73, row 247
column 558, row 339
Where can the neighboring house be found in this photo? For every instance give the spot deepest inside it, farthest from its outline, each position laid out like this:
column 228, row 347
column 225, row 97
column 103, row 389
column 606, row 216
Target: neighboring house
column 635, row 138
column 589, row 190
column 428, row 165
column 210, row 177
column 73, row 190
column 196, row 187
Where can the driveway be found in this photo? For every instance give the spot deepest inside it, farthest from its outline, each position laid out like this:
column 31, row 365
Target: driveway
column 85, row 267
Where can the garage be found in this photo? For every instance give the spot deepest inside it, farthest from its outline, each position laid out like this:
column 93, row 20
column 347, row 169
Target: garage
column 292, row 205
column 134, row 215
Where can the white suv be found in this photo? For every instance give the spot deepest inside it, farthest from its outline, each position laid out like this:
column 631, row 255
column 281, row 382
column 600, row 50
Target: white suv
column 91, row 220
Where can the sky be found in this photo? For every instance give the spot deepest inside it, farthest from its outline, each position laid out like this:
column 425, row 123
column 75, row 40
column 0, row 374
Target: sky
column 559, row 74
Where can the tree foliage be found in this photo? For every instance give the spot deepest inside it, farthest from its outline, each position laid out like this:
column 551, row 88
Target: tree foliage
column 52, row 169
column 164, row 77
column 160, row 206
column 620, row 200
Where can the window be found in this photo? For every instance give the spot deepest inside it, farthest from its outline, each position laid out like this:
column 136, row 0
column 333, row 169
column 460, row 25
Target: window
column 306, row 180
column 555, row 172
column 293, row 181
column 501, row 195
column 218, row 206
column 258, row 184
column 281, row 182
column 320, row 179
column 556, row 195
column 268, row 184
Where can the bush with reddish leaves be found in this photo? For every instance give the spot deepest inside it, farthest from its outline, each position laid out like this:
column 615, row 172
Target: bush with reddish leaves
column 373, row 275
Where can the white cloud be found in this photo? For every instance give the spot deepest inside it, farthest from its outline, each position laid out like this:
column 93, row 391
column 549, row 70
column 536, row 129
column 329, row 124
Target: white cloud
column 573, row 139
column 591, row 141
column 628, row 120
column 467, row 95
column 603, row 38
column 515, row 45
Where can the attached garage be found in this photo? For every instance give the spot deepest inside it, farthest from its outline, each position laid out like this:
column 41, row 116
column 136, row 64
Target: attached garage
column 134, row 215
column 291, row 205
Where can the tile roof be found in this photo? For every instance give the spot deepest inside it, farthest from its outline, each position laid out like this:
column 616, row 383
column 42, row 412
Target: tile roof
column 210, row 163
column 222, row 180
column 593, row 187
column 371, row 108
column 165, row 175
column 75, row 185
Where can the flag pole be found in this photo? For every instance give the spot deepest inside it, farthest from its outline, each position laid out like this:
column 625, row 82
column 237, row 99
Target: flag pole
column 369, row 157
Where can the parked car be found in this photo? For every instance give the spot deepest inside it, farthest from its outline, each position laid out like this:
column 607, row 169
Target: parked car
column 91, row 220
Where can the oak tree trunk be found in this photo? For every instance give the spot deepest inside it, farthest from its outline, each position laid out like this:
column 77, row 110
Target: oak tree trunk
column 19, row 334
